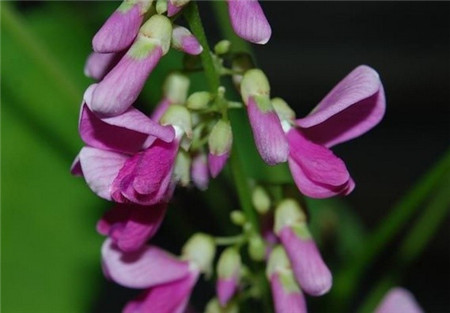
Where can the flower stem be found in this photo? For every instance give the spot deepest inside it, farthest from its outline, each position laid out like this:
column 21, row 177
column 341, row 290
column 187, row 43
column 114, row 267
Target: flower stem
column 347, row 279
column 192, row 16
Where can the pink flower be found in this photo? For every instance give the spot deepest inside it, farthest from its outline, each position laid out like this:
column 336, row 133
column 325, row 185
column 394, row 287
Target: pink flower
column 228, row 275
column 130, row 226
column 99, row 64
column 168, row 281
column 353, row 106
column 310, row 271
column 398, row 300
column 199, row 171
column 183, row 40
column 248, row 21
column 287, row 296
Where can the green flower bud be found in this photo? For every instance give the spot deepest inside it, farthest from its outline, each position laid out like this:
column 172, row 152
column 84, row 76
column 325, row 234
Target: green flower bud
column 261, row 200
column 159, row 28
column 221, row 138
column 256, row 248
column 222, row 47
column 288, row 213
column 179, row 117
column 238, row 218
column 200, row 250
column 283, row 110
column 213, row 306
column 182, row 170
column 229, row 264
column 176, row 87
column 198, row 100
column 161, row 6
column 254, row 83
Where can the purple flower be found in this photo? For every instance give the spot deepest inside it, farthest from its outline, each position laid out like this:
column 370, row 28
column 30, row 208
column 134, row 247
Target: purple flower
column 168, row 281
column 353, row 106
column 199, row 171
column 248, row 21
column 220, row 141
column 287, row 295
column 99, row 64
column 130, row 226
column 120, row 88
column 228, row 272
column 268, row 133
column 310, row 271
column 175, row 6
column 183, row 40
column 398, row 300
column 121, row 28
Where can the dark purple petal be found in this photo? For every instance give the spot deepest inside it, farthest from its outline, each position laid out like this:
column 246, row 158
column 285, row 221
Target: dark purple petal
column 354, row 106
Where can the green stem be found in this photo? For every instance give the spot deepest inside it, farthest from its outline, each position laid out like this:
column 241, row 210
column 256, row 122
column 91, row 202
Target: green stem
column 413, row 245
column 226, row 241
column 192, row 16
column 347, row 279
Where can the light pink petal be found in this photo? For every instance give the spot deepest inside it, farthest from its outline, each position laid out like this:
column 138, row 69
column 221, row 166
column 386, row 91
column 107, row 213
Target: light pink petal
column 310, row 271
column 319, row 163
column 160, row 109
column 183, row 40
column 145, row 178
column 99, row 64
column 216, row 163
column 168, row 298
column 145, row 268
column 248, row 21
column 75, row 168
column 199, row 171
column 100, row 168
column 316, row 190
column 354, row 106
column 399, row 300
column 129, row 132
column 119, row 31
column 285, row 301
column 130, row 225
column 123, row 84
column 269, row 137
column 225, row 289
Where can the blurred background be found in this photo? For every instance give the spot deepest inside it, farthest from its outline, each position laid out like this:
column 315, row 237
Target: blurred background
column 50, row 250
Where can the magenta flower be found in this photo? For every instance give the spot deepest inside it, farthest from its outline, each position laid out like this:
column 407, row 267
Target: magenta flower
column 310, row 271
column 199, row 171
column 287, row 295
column 183, row 40
column 168, row 281
column 248, row 21
column 99, row 64
column 120, row 88
column 398, row 300
column 130, row 226
column 228, row 275
column 121, row 28
column 175, row 6
column 354, row 106
column 220, row 141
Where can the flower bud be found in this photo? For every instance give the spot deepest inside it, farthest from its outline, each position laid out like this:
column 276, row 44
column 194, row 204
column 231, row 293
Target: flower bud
column 183, row 40
column 284, row 111
column 241, row 63
column 288, row 213
column 180, row 118
column 161, row 6
column 222, row 47
column 199, row 171
column 174, row 6
column 176, row 87
column 256, row 248
column 181, row 172
column 213, row 306
column 254, row 83
column 238, row 218
column 159, row 28
column 261, row 200
column 198, row 100
column 200, row 250
column 228, row 272
column 219, row 142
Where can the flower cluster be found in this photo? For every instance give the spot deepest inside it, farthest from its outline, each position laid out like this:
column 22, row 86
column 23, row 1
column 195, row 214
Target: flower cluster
column 136, row 160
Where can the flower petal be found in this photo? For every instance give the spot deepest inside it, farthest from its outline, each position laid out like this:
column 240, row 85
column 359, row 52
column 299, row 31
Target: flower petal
column 353, row 106
column 100, row 168
column 183, row 40
column 123, row 84
column 216, row 163
column 268, row 134
column 286, row 301
column 118, row 31
column 317, row 162
column 75, row 168
column 310, row 271
column 398, row 300
column 168, row 298
column 226, row 289
column 160, row 109
column 145, row 178
column 148, row 267
column 248, row 21
column 199, row 171
column 99, row 64
column 129, row 132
